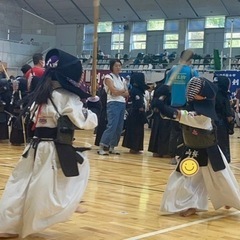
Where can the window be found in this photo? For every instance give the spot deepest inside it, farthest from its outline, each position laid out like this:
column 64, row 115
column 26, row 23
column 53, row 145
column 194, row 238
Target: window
column 139, row 41
column 89, row 32
column 215, row 22
column 171, row 35
column 104, row 27
column 172, row 26
column 88, row 37
column 170, row 41
column 195, row 35
column 195, row 39
column 196, row 24
column 232, row 24
column 155, row 25
column 139, row 35
column 235, row 40
column 139, row 27
column 117, row 37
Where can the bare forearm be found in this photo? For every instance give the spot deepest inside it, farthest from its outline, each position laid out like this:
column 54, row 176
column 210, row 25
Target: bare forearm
column 117, row 92
column 237, row 105
column 125, row 93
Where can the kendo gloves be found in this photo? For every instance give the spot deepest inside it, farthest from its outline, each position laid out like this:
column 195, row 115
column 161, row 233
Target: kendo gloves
column 94, row 104
column 158, row 102
column 165, row 110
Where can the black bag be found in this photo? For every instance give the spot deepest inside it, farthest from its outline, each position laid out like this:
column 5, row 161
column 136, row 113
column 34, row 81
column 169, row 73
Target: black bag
column 199, row 138
column 65, row 128
column 68, row 157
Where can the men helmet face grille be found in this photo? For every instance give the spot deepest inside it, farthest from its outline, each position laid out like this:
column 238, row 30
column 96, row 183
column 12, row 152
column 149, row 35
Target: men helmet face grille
column 194, row 88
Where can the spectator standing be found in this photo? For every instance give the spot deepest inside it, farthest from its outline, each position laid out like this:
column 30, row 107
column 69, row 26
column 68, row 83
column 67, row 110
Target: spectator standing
column 117, row 93
column 36, row 71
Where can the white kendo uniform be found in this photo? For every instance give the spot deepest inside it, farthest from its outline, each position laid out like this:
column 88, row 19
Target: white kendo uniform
column 37, row 194
column 184, row 192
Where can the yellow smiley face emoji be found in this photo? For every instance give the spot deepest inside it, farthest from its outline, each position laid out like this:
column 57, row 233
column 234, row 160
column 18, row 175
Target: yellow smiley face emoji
column 189, row 167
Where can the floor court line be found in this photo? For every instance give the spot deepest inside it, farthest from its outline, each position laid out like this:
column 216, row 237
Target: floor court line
column 231, row 166
column 181, row 226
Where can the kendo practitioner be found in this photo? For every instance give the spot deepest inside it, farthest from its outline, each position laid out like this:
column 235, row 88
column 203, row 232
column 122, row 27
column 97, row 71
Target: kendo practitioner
column 134, row 133
column 48, row 182
column 159, row 137
column 225, row 122
column 102, row 121
column 5, row 99
column 19, row 91
column 203, row 171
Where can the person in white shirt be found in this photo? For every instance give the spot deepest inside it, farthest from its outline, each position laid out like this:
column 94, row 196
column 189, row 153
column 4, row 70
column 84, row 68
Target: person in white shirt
column 117, row 92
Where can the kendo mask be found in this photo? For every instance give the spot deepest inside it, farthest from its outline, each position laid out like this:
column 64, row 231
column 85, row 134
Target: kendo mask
column 205, row 88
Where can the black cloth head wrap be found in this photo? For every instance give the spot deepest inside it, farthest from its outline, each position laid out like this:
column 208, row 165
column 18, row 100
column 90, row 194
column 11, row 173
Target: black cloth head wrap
column 138, row 80
column 66, row 69
column 223, row 83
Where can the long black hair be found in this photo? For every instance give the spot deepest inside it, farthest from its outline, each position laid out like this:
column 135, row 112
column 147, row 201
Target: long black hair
column 40, row 95
column 44, row 88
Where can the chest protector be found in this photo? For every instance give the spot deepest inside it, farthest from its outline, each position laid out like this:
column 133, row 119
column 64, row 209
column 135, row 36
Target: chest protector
column 199, row 138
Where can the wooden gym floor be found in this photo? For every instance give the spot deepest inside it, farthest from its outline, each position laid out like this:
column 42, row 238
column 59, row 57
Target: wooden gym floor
column 123, row 198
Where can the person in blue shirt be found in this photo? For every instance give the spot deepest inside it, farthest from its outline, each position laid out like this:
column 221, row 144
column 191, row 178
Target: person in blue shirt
column 178, row 78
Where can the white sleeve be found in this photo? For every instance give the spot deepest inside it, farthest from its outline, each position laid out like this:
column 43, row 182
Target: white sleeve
column 72, row 107
column 105, row 86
